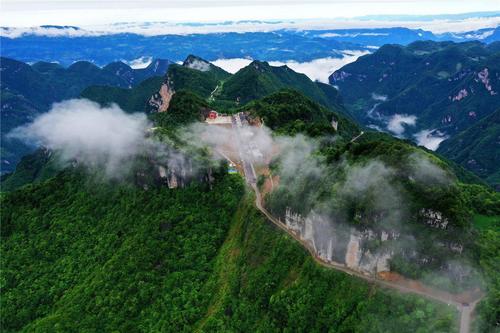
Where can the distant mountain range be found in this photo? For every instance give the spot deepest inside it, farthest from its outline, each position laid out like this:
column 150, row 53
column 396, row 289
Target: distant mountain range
column 278, row 45
column 427, row 91
column 28, row 90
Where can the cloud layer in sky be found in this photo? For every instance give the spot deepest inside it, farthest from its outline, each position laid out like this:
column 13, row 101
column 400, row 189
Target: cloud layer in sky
column 27, row 13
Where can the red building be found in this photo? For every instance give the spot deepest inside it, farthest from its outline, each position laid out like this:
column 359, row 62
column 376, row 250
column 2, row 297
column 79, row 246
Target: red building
column 212, row 114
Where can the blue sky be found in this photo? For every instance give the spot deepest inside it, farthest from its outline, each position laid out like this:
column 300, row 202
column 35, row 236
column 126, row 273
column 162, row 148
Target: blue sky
column 24, row 13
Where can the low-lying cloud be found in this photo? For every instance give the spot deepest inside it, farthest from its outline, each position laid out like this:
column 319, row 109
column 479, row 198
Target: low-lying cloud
column 317, row 69
column 232, row 65
column 430, row 139
column 199, row 65
column 139, row 63
column 96, row 136
column 398, row 122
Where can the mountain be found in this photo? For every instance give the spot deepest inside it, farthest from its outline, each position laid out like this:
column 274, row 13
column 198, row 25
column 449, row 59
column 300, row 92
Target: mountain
column 199, row 256
column 222, row 90
column 276, row 45
column 197, row 75
column 290, row 112
column 199, row 268
column 28, row 90
column 134, row 76
column 133, row 99
column 193, row 267
column 446, row 86
column 259, row 79
column 427, row 91
column 69, row 44
column 33, row 168
column 376, row 37
column 477, row 148
column 197, row 63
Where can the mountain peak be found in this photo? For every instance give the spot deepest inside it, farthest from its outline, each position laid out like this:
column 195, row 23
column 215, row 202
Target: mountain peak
column 197, row 63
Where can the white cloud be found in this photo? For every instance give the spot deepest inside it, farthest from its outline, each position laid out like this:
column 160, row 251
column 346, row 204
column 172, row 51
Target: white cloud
column 377, row 97
column 321, row 69
column 139, row 63
column 397, row 123
column 147, row 25
column 199, row 65
column 82, row 130
column 481, row 35
column 232, row 65
column 430, row 139
column 332, row 34
column 317, row 69
column 79, row 12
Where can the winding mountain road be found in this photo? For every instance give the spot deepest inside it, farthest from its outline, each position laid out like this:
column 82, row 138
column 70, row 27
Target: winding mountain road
column 464, row 307
column 464, row 304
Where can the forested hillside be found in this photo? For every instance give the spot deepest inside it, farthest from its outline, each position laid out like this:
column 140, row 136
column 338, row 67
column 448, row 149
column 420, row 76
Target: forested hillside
column 428, row 92
column 447, row 86
column 100, row 257
column 478, row 148
column 177, row 243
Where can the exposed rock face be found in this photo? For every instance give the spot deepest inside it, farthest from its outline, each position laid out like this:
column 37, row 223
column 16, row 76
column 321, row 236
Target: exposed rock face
column 460, row 95
column 160, row 101
column 174, row 174
column 339, row 76
column 433, row 218
column 341, row 244
column 484, row 77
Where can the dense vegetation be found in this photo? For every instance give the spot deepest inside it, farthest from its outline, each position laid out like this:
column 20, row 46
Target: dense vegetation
column 489, row 257
column 421, row 79
column 129, row 99
column 477, row 147
column 33, row 168
column 202, row 83
column 268, row 283
column 81, row 254
column 259, row 79
column 447, row 86
column 185, row 107
column 290, row 112
column 226, row 92
column 84, row 256
column 396, row 188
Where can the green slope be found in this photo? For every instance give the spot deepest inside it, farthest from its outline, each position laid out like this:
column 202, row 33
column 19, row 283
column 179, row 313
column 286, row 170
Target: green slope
column 291, row 112
column 80, row 256
column 223, row 91
column 131, row 100
column 33, row 168
column 422, row 79
column 259, row 79
column 478, row 148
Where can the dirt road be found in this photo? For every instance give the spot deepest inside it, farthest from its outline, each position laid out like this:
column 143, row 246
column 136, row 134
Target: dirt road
column 464, row 303
column 404, row 286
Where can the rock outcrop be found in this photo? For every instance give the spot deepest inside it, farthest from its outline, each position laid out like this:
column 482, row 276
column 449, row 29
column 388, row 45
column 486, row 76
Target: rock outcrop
column 343, row 245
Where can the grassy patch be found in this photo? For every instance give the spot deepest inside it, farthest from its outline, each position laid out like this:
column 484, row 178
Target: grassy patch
column 483, row 222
